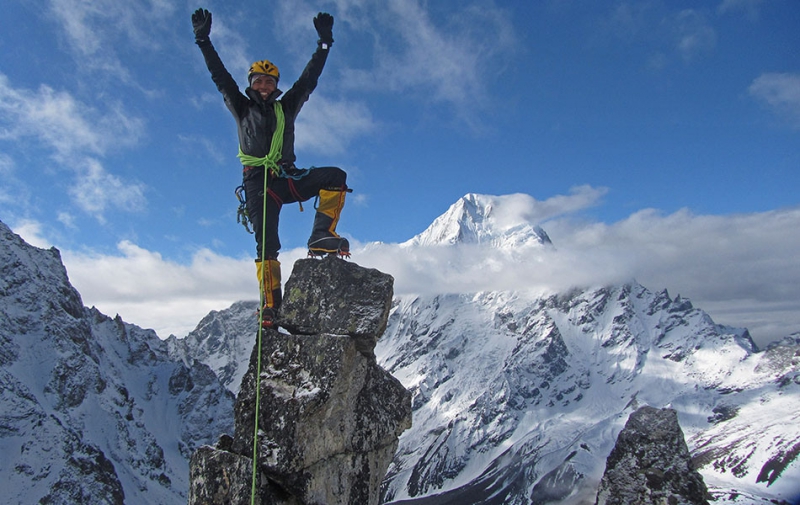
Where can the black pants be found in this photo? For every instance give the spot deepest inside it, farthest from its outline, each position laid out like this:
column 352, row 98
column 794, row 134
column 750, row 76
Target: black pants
column 283, row 190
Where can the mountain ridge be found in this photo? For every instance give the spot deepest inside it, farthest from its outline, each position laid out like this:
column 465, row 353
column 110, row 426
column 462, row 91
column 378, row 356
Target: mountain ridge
column 535, row 375
column 91, row 408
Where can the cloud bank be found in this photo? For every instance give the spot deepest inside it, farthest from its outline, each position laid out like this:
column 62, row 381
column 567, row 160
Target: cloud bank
column 742, row 269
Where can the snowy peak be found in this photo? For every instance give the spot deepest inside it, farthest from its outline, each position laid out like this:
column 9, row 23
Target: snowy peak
column 500, row 221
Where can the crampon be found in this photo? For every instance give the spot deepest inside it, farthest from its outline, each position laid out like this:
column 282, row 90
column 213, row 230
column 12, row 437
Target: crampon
column 269, row 318
column 329, row 246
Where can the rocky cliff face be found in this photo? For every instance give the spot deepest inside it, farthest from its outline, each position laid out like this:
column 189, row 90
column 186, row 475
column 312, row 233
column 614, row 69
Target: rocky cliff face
column 222, row 340
column 329, row 416
column 650, row 463
column 92, row 409
column 518, row 399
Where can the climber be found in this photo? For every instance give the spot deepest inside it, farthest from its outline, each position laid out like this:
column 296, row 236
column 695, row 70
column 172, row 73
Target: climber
column 266, row 149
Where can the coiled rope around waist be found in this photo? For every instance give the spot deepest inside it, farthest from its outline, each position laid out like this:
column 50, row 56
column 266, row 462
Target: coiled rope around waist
column 270, row 161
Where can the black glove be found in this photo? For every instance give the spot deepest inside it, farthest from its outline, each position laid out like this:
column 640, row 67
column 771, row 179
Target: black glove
column 201, row 23
column 324, row 25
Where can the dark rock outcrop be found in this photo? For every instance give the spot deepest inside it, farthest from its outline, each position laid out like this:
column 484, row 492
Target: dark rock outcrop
column 650, row 463
column 329, row 416
column 340, row 298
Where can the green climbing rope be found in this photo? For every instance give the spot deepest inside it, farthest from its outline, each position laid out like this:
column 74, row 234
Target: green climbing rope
column 270, row 162
column 253, row 486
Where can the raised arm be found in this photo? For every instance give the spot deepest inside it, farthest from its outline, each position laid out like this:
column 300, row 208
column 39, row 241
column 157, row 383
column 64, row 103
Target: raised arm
column 294, row 99
column 201, row 24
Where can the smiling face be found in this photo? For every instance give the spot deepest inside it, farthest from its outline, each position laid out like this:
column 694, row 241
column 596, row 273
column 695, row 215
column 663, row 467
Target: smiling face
column 264, row 85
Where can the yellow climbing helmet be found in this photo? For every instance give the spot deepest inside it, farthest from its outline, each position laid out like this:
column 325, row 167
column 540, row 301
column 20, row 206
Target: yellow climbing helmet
column 264, row 67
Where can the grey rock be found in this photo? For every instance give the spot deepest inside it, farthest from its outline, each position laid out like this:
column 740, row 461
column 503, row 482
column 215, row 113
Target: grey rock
column 338, row 297
column 228, row 486
column 329, row 417
column 231, row 481
column 650, row 463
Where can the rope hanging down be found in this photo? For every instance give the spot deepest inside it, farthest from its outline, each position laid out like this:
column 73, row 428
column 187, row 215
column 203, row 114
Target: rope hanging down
column 253, row 486
column 270, row 162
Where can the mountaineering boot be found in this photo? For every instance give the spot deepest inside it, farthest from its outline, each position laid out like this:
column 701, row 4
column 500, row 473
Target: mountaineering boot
column 269, row 283
column 324, row 239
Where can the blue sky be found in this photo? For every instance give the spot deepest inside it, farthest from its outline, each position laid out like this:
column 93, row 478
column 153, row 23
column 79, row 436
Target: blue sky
column 629, row 116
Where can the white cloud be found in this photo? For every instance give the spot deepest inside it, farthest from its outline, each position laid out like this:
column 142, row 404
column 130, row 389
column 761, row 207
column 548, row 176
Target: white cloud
column 52, row 117
column 743, row 266
column 742, row 269
column 687, row 33
column 95, row 29
column 96, row 190
column 452, row 64
column 449, row 61
column 73, row 17
column 781, row 92
column 8, row 190
column 750, row 7
column 63, row 123
column 66, row 219
column 694, row 36
column 6, row 164
column 31, row 232
column 580, row 198
column 147, row 290
column 153, row 292
column 73, row 135
column 329, row 126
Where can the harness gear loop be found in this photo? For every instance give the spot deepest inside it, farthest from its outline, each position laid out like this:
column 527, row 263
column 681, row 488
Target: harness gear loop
column 241, row 212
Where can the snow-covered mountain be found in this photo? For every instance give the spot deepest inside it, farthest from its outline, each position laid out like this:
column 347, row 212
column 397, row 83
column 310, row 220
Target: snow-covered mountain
column 223, row 340
column 92, row 409
column 503, row 222
column 518, row 397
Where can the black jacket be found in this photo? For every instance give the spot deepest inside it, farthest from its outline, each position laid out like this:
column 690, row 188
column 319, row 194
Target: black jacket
column 255, row 117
